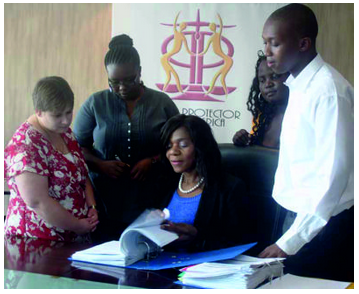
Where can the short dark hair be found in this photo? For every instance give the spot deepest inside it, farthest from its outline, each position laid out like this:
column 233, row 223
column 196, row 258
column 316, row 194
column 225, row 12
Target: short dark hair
column 300, row 18
column 52, row 94
column 121, row 51
column 207, row 154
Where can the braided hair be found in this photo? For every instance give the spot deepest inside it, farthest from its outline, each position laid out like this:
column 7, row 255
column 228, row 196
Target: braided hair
column 261, row 110
column 121, row 51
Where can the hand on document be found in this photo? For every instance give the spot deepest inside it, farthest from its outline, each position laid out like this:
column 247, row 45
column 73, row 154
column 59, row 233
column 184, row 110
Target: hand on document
column 141, row 239
column 272, row 251
column 186, row 233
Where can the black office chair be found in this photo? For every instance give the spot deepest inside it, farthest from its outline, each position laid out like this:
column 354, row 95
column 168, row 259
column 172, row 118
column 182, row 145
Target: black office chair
column 256, row 166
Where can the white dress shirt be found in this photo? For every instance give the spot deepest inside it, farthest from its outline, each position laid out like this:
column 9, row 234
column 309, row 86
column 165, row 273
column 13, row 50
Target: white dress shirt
column 315, row 174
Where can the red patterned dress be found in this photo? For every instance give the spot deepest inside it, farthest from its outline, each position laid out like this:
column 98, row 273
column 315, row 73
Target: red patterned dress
column 30, row 151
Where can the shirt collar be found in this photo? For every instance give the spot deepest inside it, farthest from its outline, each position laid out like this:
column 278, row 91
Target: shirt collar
column 304, row 77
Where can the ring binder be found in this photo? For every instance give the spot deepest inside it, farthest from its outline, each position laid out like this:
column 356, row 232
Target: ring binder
column 151, row 254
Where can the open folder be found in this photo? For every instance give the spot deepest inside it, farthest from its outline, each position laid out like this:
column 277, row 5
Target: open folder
column 164, row 260
column 171, row 259
column 140, row 247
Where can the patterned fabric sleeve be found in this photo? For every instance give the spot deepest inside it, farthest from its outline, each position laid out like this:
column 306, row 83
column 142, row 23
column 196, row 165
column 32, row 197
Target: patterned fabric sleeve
column 26, row 152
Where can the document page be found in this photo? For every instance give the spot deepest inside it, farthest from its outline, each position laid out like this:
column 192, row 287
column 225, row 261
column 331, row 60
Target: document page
column 148, row 224
column 106, row 251
column 289, row 281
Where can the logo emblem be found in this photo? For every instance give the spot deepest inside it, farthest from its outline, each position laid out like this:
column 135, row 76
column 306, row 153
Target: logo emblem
column 200, row 42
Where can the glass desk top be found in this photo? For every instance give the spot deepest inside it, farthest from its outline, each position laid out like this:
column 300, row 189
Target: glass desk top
column 31, row 263
column 14, row 279
column 43, row 264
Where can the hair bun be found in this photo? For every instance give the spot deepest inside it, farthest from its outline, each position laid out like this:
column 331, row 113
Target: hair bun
column 119, row 41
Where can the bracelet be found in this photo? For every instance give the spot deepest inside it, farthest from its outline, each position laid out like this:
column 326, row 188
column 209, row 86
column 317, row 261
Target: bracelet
column 92, row 206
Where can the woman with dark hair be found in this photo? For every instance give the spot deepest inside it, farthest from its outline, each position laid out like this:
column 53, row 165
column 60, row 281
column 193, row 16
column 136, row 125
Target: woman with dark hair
column 267, row 101
column 208, row 208
column 51, row 194
column 119, row 131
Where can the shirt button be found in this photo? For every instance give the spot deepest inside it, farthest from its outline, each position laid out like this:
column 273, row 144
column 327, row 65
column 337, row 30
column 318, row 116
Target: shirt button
column 129, row 155
column 129, row 124
column 129, row 131
column 128, row 139
column 129, row 147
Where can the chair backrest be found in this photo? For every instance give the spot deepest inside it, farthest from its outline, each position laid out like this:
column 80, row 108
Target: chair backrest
column 256, row 166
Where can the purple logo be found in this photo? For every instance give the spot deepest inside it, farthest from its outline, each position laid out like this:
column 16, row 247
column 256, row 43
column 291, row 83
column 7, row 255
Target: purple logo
column 200, row 42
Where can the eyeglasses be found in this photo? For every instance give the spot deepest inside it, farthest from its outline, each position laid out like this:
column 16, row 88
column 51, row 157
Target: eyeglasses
column 129, row 82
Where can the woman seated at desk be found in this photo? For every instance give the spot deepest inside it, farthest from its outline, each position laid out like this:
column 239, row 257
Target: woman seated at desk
column 208, row 208
column 51, row 195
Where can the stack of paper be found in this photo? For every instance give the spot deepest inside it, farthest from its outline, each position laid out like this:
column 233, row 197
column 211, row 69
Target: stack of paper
column 142, row 237
column 241, row 272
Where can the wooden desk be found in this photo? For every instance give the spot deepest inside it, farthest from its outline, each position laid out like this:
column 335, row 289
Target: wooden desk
column 51, row 258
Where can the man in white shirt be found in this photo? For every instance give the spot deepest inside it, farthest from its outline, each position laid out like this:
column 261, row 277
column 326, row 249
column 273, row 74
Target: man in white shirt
column 315, row 175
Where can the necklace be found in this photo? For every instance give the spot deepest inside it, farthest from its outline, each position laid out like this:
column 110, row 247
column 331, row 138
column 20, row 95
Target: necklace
column 192, row 189
column 59, row 147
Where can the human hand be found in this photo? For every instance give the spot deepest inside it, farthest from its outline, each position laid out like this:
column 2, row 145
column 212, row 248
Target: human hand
column 92, row 214
column 241, row 138
column 185, row 232
column 85, row 225
column 272, row 251
column 141, row 169
column 114, row 168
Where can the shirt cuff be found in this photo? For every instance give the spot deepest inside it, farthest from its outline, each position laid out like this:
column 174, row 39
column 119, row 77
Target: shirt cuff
column 290, row 243
column 302, row 231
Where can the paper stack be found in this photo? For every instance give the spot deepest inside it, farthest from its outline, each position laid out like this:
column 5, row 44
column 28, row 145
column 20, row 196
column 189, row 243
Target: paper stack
column 241, row 272
column 142, row 238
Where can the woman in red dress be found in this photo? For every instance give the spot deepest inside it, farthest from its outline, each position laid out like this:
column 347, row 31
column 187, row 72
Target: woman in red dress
column 51, row 195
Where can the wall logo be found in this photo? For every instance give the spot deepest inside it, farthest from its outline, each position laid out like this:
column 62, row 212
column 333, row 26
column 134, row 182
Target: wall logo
column 200, row 42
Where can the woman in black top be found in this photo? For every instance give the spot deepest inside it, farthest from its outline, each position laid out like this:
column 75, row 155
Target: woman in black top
column 216, row 213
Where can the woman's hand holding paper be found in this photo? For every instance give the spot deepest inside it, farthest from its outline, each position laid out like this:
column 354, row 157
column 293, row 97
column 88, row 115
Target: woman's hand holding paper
column 185, row 232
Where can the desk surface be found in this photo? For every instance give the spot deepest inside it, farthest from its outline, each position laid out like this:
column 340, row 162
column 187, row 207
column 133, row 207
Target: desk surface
column 43, row 264
column 25, row 257
column 24, row 280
